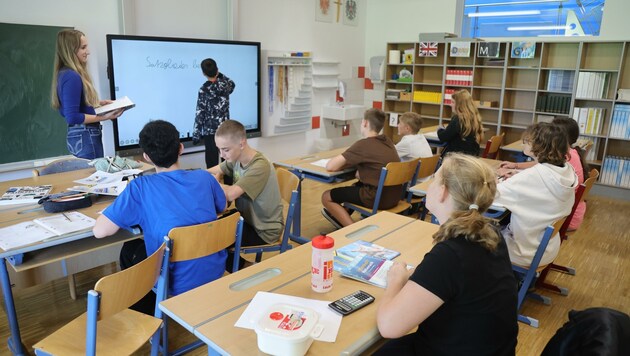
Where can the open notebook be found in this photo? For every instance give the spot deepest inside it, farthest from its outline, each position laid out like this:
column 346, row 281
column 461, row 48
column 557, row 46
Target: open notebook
column 42, row 229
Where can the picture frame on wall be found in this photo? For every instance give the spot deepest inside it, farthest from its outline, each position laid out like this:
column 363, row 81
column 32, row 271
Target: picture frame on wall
column 350, row 13
column 323, row 11
column 523, row 49
column 488, row 50
column 460, row 49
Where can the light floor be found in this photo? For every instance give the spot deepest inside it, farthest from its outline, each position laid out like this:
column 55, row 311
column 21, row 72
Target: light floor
column 600, row 251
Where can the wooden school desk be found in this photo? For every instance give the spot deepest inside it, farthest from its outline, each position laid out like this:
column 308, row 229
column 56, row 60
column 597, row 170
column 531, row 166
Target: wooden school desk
column 210, row 311
column 303, row 167
column 54, row 258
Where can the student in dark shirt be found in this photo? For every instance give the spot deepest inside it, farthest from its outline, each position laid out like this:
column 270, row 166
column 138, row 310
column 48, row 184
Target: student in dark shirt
column 464, row 132
column 463, row 295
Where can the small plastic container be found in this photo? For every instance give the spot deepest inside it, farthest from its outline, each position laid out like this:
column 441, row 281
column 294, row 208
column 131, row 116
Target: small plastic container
column 322, row 263
column 287, row 330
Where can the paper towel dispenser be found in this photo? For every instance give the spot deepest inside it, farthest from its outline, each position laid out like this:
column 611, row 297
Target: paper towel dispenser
column 377, row 68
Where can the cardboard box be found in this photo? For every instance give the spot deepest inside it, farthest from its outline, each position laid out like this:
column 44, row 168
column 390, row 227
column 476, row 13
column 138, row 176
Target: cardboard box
column 486, row 104
column 405, row 96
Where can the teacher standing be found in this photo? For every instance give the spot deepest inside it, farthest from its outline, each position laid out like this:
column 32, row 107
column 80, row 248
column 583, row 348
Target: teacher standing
column 73, row 94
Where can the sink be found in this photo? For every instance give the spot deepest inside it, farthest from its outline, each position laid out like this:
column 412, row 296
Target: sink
column 343, row 112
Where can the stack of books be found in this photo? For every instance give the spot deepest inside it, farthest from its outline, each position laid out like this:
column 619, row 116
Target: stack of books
column 462, row 77
column 560, row 80
column 427, row 96
column 590, row 120
column 620, row 124
column 592, row 85
column 616, row 171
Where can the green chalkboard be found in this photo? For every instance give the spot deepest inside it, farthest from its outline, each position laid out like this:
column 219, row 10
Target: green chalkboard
column 29, row 128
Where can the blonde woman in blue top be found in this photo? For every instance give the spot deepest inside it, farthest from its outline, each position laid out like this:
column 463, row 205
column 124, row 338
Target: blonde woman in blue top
column 73, row 94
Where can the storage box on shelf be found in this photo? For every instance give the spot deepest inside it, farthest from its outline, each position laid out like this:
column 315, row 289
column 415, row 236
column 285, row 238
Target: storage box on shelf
column 561, row 79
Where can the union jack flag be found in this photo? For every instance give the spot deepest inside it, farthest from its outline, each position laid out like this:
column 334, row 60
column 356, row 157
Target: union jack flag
column 428, row 49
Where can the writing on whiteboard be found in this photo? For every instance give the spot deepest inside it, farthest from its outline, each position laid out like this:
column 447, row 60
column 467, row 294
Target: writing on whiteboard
column 169, row 63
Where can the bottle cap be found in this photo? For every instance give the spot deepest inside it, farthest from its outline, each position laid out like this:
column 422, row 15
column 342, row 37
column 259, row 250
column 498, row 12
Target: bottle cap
column 323, row 242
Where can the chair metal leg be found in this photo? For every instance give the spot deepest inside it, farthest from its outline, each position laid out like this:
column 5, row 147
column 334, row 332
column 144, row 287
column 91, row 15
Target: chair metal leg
column 541, row 298
column 186, row 349
column 15, row 341
column 527, row 320
column 72, row 286
column 563, row 269
column 543, row 284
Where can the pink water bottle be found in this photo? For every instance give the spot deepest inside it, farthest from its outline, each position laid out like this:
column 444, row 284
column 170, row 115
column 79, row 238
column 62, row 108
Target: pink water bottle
column 322, row 263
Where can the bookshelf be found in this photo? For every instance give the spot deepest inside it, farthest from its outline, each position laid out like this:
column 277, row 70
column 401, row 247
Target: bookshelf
column 561, row 79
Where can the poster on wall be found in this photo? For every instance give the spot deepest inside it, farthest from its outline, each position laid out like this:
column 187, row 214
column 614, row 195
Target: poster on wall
column 323, row 12
column 488, row 50
column 460, row 49
column 523, row 49
column 350, row 17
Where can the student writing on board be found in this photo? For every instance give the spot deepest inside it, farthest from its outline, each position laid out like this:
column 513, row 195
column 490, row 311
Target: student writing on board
column 73, row 94
column 213, row 107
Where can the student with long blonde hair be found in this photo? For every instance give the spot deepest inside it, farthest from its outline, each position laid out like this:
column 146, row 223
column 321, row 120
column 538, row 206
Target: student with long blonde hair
column 73, row 94
column 464, row 132
column 463, row 295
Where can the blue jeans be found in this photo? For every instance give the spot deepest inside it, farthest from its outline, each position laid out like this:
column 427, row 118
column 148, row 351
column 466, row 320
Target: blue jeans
column 85, row 141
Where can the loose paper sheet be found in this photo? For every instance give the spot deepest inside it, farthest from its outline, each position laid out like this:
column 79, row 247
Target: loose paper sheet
column 321, row 163
column 330, row 320
column 431, row 135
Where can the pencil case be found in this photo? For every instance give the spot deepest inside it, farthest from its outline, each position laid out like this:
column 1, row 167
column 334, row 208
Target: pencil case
column 59, row 205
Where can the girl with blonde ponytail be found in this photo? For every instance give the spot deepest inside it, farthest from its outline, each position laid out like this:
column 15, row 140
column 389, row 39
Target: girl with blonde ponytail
column 462, row 296
column 73, row 94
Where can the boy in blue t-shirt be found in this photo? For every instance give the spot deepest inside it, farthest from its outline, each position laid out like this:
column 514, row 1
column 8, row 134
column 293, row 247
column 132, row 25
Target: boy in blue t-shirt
column 157, row 203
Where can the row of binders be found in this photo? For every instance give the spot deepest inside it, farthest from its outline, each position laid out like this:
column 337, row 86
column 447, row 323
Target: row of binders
column 592, row 85
column 459, row 77
column 560, row 80
column 551, row 103
column 589, row 119
column 620, row 125
column 616, row 171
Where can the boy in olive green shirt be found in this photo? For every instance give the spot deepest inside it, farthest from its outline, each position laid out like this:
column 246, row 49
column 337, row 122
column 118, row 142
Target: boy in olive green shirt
column 255, row 188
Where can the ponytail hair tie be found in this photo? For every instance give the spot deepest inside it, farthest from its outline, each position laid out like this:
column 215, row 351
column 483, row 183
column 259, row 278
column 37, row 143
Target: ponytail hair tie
column 473, row 207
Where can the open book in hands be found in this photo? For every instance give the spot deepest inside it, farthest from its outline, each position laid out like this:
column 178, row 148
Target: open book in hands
column 122, row 103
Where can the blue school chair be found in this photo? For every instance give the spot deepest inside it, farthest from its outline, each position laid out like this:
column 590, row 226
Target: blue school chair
column 109, row 327
column 527, row 274
column 288, row 184
column 394, row 174
column 196, row 241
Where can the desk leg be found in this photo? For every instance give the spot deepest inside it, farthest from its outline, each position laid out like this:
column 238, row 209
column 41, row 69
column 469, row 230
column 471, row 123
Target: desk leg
column 15, row 341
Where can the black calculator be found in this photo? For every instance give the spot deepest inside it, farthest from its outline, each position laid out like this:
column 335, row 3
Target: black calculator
column 351, row 303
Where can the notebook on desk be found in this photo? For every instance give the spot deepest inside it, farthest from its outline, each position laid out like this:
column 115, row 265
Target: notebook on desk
column 43, row 229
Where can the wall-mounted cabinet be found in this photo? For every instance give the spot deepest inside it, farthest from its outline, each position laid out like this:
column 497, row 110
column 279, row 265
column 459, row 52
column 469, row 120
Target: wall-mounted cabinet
column 567, row 79
column 325, row 74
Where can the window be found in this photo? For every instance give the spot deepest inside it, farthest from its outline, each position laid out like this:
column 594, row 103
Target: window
column 531, row 18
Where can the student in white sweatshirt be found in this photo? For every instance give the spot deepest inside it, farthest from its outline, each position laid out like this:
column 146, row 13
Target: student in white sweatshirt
column 538, row 196
column 413, row 144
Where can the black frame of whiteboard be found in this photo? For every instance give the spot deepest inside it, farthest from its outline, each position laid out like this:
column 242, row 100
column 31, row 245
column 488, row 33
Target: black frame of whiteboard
column 135, row 149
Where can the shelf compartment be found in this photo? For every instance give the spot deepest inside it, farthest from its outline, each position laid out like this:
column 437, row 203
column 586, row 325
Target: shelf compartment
column 397, row 106
column 560, row 55
column 429, row 75
column 488, row 77
column 601, row 56
column 521, row 78
column 624, row 75
column 517, row 119
column 489, row 116
column 487, row 94
column 426, row 109
column 519, row 100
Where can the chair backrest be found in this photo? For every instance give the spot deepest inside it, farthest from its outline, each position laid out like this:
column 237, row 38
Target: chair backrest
column 122, row 289
column 399, row 173
column 287, row 182
column 588, row 183
column 62, row 165
column 195, row 241
column 428, row 166
column 492, row 146
column 579, row 192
